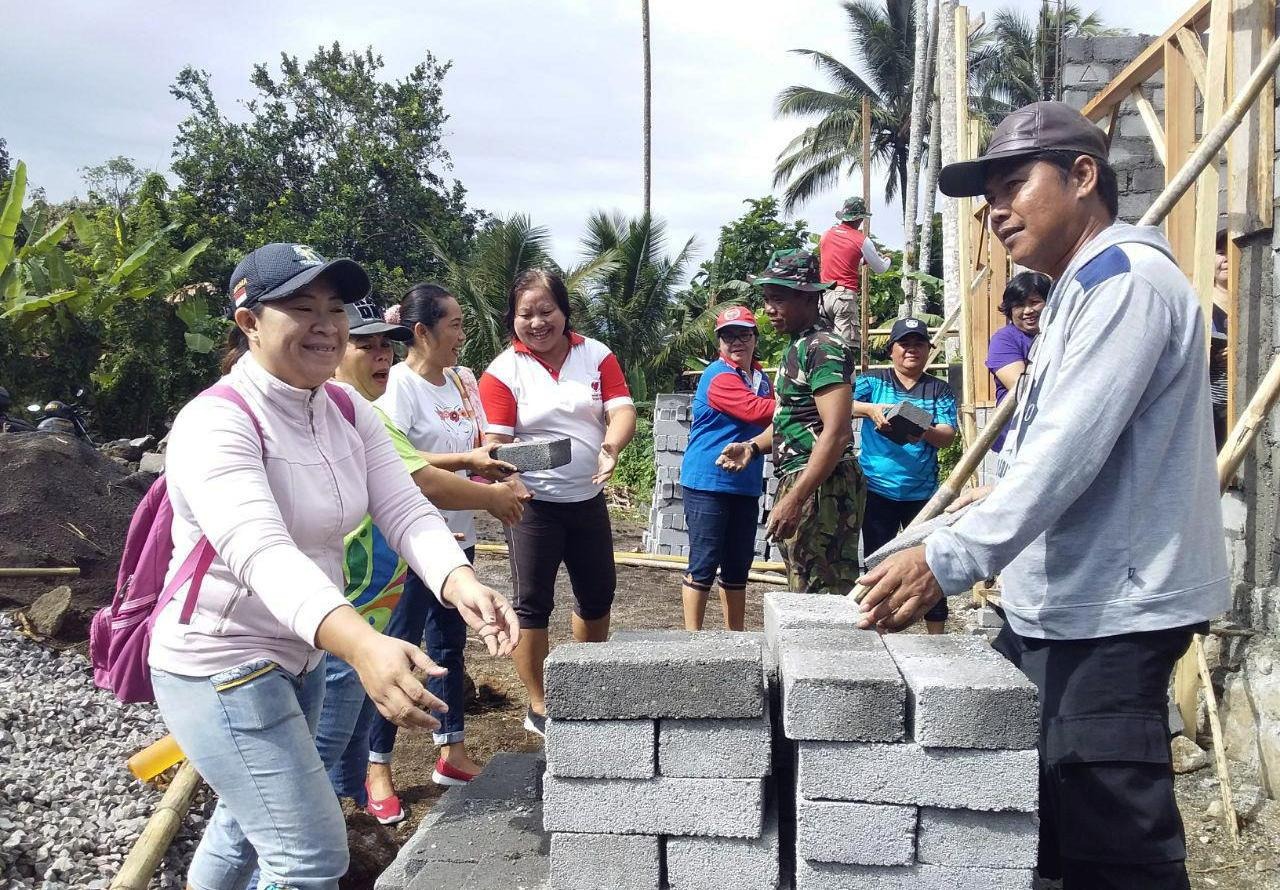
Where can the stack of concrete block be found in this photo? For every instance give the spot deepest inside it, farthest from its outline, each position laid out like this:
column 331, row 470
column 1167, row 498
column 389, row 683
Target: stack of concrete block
column 658, row 747
column 915, row 755
column 668, row 533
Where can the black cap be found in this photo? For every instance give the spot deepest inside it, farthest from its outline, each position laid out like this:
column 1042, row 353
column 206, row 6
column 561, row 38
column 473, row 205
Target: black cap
column 364, row 319
column 1040, row 126
column 905, row 327
column 276, row 271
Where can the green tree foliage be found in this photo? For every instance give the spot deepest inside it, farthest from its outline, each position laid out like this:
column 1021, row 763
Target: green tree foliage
column 1014, row 60
column 4, row 166
column 628, row 303
column 331, row 155
column 882, row 39
column 1010, row 64
column 98, row 298
column 114, row 182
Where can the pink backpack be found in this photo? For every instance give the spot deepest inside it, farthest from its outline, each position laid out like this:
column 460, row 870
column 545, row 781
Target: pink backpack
column 120, row 634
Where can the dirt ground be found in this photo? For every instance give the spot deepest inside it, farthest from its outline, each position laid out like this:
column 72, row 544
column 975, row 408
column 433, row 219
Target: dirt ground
column 64, row 504
column 650, row 598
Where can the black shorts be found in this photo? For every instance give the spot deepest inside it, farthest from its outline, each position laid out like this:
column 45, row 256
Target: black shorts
column 1106, row 781
column 881, row 522
column 577, row 534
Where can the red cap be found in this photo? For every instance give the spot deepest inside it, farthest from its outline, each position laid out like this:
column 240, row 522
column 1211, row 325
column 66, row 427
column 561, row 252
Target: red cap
column 735, row 316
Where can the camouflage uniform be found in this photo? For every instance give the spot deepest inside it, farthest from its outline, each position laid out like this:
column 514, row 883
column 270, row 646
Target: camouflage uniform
column 822, row 555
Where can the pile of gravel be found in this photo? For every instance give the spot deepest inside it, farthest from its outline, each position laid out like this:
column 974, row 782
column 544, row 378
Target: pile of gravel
column 70, row 811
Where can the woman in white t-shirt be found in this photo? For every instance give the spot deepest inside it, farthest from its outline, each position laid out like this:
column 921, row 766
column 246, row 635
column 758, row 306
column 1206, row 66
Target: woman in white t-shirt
column 436, row 405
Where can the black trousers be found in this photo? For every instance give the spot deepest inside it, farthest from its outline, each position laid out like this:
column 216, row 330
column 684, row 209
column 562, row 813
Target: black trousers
column 881, row 522
column 1108, row 816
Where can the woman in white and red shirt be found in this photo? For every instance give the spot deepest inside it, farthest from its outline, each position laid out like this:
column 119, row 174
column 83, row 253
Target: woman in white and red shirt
column 553, row 383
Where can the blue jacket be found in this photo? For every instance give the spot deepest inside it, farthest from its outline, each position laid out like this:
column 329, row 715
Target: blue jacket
column 729, row 406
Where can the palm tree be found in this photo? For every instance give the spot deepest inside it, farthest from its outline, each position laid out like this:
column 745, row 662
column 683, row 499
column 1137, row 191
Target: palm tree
column 1015, row 60
column 628, row 303
column 481, row 280
column 1011, row 63
column 883, row 40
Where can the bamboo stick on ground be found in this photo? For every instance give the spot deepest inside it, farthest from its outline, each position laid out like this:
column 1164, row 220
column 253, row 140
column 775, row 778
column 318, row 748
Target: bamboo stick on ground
column 60, row 572
column 1219, row 756
column 154, row 841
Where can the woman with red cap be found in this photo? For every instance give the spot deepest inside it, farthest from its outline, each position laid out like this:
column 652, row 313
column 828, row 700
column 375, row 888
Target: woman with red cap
column 733, row 403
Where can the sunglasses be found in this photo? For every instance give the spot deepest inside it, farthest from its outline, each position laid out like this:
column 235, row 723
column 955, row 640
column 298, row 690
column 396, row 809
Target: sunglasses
column 737, row 336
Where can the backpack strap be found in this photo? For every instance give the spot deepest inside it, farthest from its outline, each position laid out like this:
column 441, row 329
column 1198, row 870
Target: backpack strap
column 232, row 395
column 342, row 399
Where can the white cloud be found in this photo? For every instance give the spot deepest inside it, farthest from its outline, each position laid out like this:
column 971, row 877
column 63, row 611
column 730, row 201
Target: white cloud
column 544, row 98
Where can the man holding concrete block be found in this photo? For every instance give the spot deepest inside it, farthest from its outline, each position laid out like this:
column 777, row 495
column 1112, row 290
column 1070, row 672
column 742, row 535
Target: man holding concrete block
column 1105, row 520
column 818, row 508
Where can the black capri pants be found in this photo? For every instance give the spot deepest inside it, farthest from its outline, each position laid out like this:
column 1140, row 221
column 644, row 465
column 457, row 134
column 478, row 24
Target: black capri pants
column 549, row 533
column 1108, row 816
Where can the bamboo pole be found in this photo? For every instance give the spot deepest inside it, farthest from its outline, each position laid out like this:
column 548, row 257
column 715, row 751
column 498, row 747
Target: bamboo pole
column 60, row 572
column 919, row 98
column 679, row 561
column 1213, row 141
column 864, row 280
column 140, row 865
column 1245, row 432
column 1219, row 756
column 941, row 335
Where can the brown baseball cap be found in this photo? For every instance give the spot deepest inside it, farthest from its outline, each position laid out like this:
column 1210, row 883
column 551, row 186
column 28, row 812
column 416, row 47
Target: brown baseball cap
column 1040, row 126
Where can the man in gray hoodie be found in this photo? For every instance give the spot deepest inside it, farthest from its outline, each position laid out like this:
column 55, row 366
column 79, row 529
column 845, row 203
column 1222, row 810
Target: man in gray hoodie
column 1105, row 522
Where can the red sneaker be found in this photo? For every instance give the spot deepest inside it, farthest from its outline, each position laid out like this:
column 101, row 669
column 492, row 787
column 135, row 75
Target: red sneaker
column 387, row 811
column 446, row 774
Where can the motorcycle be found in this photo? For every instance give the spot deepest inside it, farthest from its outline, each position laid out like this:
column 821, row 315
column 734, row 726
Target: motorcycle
column 63, row 417
column 11, row 424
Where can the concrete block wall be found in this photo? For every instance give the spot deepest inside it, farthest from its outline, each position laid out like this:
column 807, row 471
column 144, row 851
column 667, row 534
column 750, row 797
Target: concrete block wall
column 658, row 754
column 668, row 532
column 1090, row 63
column 928, row 775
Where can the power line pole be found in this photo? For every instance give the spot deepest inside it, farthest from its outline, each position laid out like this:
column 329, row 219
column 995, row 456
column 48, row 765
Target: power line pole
column 648, row 103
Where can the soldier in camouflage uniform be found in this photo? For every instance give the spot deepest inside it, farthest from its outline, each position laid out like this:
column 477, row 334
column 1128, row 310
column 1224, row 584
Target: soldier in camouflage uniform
column 817, row 511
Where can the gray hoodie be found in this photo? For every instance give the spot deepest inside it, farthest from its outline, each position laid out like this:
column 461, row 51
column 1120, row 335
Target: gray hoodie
column 1106, row 518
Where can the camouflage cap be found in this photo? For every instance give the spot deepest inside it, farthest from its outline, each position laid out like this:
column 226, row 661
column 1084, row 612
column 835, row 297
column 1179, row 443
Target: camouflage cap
column 853, row 208
column 794, row 268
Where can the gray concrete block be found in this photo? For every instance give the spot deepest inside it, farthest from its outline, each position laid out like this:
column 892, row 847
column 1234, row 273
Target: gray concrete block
column 784, row 610
column 716, row 807
column 961, row 693
column 990, row 840
column 706, row 676
column 151, row 462
column 601, row 749
column 701, row 863
column 906, row 419
column 535, row 454
column 830, row 876
column 840, row 685
column 685, row 636
column 905, row 773
column 596, row 861
column 855, row 833
column 715, row 749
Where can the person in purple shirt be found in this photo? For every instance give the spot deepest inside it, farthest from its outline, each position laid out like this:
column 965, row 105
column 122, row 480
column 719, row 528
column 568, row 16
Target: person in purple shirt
column 1009, row 352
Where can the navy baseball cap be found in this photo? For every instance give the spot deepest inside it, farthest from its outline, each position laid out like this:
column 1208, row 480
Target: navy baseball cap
column 364, row 318
column 905, row 327
column 276, row 271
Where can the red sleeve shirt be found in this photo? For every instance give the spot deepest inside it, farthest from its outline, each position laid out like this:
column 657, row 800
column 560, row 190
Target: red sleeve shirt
column 525, row 398
column 730, row 394
column 839, row 254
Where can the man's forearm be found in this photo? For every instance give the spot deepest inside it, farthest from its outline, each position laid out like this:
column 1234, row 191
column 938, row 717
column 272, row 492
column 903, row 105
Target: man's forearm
column 764, row 441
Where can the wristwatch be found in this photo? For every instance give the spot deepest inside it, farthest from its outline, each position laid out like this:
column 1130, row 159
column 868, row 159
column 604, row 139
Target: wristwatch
column 755, row 449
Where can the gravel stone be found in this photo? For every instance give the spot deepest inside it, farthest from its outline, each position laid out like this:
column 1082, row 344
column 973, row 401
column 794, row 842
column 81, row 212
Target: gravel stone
column 72, row 810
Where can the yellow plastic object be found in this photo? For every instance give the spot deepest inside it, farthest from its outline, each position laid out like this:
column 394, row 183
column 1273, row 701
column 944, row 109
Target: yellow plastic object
column 154, row 759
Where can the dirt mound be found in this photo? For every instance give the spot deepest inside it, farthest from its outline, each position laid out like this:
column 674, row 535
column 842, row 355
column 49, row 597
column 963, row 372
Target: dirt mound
column 51, row 487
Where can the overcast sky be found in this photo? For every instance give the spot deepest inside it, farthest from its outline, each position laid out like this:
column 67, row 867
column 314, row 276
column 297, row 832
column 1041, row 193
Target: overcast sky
column 544, row 97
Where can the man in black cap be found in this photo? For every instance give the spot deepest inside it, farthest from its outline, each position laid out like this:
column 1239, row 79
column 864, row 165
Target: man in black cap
column 1105, row 520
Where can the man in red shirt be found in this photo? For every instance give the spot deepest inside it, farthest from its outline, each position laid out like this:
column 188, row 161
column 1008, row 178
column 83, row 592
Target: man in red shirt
column 841, row 251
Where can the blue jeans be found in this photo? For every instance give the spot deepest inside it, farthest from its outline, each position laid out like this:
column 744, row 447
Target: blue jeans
column 722, row 535
column 342, row 736
column 417, row 617
column 249, row 732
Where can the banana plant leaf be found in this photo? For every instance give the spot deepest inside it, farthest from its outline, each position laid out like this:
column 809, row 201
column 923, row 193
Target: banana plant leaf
column 11, row 214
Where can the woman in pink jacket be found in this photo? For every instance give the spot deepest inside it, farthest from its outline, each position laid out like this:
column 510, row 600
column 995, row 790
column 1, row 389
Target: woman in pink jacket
column 240, row 684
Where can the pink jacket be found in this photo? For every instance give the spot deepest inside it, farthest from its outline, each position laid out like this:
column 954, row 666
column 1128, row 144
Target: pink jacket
column 278, row 524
